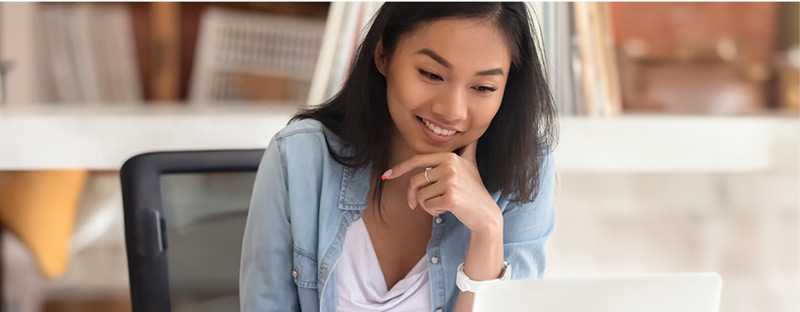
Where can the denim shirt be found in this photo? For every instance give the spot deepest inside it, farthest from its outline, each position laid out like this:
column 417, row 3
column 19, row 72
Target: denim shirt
column 303, row 201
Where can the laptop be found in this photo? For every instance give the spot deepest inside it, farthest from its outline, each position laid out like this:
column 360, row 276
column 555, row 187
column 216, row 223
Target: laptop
column 687, row 292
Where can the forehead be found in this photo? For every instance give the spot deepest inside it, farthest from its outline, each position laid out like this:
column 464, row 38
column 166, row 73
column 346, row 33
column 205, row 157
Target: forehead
column 469, row 44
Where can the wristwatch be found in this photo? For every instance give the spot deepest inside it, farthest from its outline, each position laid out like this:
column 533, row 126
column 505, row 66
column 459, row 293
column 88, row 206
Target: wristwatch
column 465, row 284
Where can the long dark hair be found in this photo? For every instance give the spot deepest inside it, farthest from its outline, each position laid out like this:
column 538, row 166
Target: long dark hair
column 510, row 152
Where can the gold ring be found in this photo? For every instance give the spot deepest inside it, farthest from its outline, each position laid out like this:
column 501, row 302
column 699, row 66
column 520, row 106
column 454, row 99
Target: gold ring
column 426, row 174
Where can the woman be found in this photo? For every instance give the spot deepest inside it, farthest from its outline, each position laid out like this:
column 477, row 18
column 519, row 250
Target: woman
column 431, row 164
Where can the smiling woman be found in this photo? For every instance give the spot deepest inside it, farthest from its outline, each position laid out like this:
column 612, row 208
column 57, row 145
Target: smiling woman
column 432, row 165
column 448, row 77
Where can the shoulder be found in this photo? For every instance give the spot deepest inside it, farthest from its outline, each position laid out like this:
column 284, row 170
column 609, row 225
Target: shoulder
column 307, row 131
column 308, row 138
column 545, row 176
column 299, row 127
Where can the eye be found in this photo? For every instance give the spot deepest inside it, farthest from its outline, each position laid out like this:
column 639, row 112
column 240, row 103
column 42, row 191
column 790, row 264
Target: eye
column 429, row 75
column 484, row 89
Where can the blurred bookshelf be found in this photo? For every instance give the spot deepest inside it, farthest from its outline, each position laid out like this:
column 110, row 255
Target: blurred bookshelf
column 152, row 53
column 604, row 59
column 610, row 59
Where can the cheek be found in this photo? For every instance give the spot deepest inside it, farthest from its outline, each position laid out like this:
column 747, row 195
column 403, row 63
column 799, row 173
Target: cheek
column 482, row 117
column 405, row 93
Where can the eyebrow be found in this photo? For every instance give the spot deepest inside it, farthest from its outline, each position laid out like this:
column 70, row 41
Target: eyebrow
column 438, row 58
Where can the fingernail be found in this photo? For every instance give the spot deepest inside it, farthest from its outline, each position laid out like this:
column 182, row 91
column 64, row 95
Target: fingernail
column 411, row 205
column 386, row 174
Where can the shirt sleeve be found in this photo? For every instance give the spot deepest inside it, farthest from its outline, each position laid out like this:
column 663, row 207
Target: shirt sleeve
column 265, row 278
column 527, row 227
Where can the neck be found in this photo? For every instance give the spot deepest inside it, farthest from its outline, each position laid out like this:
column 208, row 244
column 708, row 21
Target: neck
column 399, row 150
column 395, row 190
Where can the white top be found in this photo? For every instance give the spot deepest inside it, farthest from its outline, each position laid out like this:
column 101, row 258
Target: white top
column 360, row 283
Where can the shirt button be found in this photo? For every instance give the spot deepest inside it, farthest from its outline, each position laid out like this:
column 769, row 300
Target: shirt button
column 435, row 260
column 324, row 272
column 438, row 220
column 294, row 273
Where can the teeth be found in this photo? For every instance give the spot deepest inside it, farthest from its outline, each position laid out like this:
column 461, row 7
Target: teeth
column 438, row 130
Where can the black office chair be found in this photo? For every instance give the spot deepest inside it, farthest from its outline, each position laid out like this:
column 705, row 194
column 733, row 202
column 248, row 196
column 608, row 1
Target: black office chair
column 184, row 221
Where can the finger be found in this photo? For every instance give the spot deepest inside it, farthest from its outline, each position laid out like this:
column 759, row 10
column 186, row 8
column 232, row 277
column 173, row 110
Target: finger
column 435, row 212
column 415, row 183
column 418, row 161
column 432, row 208
column 440, row 204
column 430, row 191
column 469, row 151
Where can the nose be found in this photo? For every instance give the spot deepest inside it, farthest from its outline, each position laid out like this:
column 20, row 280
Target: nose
column 451, row 107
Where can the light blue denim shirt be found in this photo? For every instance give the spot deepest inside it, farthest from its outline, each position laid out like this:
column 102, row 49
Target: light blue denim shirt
column 303, row 201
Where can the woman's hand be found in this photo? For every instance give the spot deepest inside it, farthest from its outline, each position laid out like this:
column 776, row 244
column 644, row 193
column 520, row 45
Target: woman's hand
column 455, row 186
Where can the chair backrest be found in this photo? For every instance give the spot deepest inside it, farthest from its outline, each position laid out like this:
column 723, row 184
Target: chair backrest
column 184, row 221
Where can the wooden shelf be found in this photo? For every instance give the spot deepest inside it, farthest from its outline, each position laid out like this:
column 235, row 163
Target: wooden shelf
column 102, row 138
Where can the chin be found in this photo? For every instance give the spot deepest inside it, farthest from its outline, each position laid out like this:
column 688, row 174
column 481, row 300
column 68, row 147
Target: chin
column 430, row 149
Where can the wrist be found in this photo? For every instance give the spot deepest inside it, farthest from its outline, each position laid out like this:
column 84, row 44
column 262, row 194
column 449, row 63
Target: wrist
column 484, row 259
column 490, row 228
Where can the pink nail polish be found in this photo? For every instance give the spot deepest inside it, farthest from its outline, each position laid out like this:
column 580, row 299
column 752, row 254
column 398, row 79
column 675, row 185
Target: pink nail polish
column 411, row 205
column 386, row 174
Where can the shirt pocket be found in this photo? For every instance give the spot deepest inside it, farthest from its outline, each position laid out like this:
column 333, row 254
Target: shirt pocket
column 304, row 269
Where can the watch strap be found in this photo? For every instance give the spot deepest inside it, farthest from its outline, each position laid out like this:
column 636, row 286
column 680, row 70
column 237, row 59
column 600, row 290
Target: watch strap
column 464, row 283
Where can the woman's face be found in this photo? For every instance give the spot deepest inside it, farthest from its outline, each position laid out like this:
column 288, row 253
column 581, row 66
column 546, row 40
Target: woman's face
column 444, row 84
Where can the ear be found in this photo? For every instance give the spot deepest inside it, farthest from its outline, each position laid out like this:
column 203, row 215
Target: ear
column 380, row 58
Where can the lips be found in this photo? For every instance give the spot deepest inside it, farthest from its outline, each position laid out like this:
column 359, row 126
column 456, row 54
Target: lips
column 432, row 135
column 441, row 126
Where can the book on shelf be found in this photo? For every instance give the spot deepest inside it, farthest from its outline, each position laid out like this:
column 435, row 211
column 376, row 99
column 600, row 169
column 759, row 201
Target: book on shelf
column 165, row 54
column 345, row 28
column 19, row 47
column 89, row 53
column 560, row 54
column 599, row 78
column 58, row 57
column 120, row 61
column 579, row 57
column 606, row 58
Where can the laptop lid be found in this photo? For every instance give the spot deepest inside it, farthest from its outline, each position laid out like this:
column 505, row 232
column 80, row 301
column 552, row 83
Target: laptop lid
column 688, row 292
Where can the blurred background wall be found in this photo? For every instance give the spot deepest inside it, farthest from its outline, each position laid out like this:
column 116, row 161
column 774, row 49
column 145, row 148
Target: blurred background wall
column 679, row 147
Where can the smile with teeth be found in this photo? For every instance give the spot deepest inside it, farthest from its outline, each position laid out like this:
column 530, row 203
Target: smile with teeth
column 437, row 130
